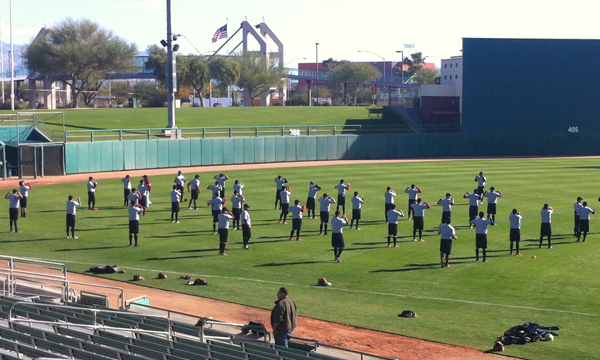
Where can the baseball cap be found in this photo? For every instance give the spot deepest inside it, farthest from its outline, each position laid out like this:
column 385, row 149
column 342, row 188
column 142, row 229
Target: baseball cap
column 225, row 209
column 448, row 194
column 247, row 206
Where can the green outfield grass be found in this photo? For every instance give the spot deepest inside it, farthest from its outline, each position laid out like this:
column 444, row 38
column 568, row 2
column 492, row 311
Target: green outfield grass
column 470, row 303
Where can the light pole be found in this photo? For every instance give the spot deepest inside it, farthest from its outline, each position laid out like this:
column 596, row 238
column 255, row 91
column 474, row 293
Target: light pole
column 384, row 73
column 12, row 64
column 289, row 82
column 170, row 71
column 317, row 63
column 402, row 77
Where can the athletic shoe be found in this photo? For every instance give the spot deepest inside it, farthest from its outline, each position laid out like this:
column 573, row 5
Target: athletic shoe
column 422, row 240
column 299, row 239
column 75, row 237
column 396, row 245
column 476, row 259
column 577, row 240
column 285, row 222
column 550, row 247
column 442, row 264
column 177, row 222
column 172, row 221
column 292, row 238
column 339, row 260
column 130, row 245
column 357, row 228
column 17, row 231
column 415, row 240
column 223, row 254
column 389, row 245
column 94, row 208
column 519, row 254
column 68, row 236
column 486, row 260
column 137, row 245
column 246, row 247
column 448, row 265
column 215, row 233
column 189, row 208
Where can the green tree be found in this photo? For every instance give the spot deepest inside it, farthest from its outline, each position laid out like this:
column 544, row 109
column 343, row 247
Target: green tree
column 76, row 52
column 425, row 76
column 257, row 74
column 414, row 63
column 356, row 75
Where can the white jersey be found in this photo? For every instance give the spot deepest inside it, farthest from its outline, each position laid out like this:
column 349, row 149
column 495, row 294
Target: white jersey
column 24, row 190
column 296, row 211
column 134, row 213
column 337, row 225
column 357, row 203
column 515, row 221
column 480, row 181
column 72, row 207
column 325, row 202
column 492, row 197
column 446, row 204
column 393, row 216
column 481, row 225
column 446, row 231
column 412, row 193
column 236, row 202
column 217, row 203
column 134, row 198
column 144, row 190
column 419, row 209
column 175, row 196
column 126, row 184
column 473, row 199
column 547, row 215
column 280, row 183
column 91, row 186
column 341, row 188
column 221, row 180
column 239, row 188
column 246, row 218
column 224, row 220
column 312, row 191
column 14, row 200
column 389, row 197
column 180, row 180
column 584, row 212
column 195, row 184
column 285, row 196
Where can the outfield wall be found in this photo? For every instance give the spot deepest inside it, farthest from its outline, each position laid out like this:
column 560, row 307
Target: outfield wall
column 87, row 157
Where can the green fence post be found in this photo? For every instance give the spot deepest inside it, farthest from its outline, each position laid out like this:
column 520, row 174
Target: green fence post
column 203, row 132
column 230, row 132
column 65, row 136
column 120, row 135
column 92, row 136
column 149, row 134
column 308, row 130
column 256, row 134
column 334, row 130
column 282, row 131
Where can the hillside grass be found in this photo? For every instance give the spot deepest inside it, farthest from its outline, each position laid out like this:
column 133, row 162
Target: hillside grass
column 470, row 303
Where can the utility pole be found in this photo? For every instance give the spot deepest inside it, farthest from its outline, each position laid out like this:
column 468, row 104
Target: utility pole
column 171, row 68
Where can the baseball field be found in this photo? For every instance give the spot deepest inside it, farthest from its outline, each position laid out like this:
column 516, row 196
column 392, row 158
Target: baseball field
column 470, row 303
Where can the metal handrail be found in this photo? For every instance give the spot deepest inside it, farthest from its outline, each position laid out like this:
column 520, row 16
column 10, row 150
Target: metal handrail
column 361, row 353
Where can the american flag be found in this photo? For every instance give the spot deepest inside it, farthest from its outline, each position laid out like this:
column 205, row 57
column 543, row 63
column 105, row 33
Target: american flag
column 220, row 34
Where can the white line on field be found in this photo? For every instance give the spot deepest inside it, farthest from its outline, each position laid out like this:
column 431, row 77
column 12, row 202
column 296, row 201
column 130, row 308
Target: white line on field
column 357, row 291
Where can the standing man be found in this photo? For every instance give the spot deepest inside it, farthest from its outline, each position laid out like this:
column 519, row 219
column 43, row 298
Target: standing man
column 576, row 208
column 216, row 189
column 413, row 192
column 546, row 228
column 584, row 220
column 148, row 184
column 126, row 190
column 515, row 230
column 337, row 235
column 313, row 189
column 224, row 218
column 180, row 182
column 480, row 185
column 285, row 204
column 447, row 235
column 144, row 196
column 195, row 185
column 24, row 190
column 492, row 199
column 175, row 200
column 325, row 202
column 418, row 216
column 481, row 228
column 221, row 178
column 357, row 202
column 217, row 206
column 284, row 318
column 279, row 180
column 446, row 209
column 296, row 211
column 239, row 187
column 473, row 205
column 389, row 201
column 134, row 197
column 71, row 215
column 134, row 223
column 341, row 201
column 13, row 210
column 246, row 226
column 91, row 186
column 236, row 206
column 393, row 216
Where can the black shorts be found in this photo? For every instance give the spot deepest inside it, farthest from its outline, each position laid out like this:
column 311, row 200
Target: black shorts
column 481, row 241
column 446, row 217
column 278, row 195
column 13, row 213
column 324, row 216
column 296, row 224
column 310, row 203
column 337, row 240
column 134, row 226
column 410, row 202
column 23, row 202
column 91, row 196
column 223, row 235
column 473, row 210
column 175, row 207
column 388, row 207
column 285, row 208
column 144, row 202
column 222, row 193
column 356, row 214
column 180, row 188
column 584, row 225
column 246, row 231
column 480, row 190
column 446, row 246
column 341, row 201
column 417, row 222
column 546, row 229
column 215, row 214
column 491, row 209
column 71, row 220
column 392, row 229
column 515, row 235
column 126, row 192
column 237, row 213
column 195, row 194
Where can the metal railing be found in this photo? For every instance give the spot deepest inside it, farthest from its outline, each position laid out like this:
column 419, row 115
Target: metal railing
column 362, row 354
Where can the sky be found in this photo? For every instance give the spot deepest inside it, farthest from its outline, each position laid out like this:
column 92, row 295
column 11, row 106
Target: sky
column 377, row 28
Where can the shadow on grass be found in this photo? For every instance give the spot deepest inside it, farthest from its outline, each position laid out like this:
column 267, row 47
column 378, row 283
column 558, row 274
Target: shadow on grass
column 185, row 257
column 293, row 263
column 30, row 240
column 193, row 251
column 94, row 248
column 453, row 261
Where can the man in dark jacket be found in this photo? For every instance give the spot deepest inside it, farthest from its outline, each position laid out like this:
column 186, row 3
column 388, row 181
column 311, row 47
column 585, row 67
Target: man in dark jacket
column 284, row 318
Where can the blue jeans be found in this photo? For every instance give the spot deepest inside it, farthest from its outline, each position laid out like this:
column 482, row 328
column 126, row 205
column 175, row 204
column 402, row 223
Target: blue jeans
column 282, row 338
